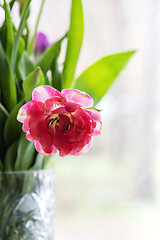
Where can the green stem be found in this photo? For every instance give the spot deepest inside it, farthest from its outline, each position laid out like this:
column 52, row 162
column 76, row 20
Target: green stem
column 31, row 45
column 27, row 36
column 24, row 16
column 4, row 110
column 1, row 6
column 39, row 15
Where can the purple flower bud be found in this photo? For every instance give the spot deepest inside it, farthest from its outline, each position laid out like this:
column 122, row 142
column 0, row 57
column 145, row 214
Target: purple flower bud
column 41, row 43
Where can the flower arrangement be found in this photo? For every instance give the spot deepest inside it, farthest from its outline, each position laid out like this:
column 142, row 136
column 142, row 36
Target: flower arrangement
column 56, row 111
column 56, row 108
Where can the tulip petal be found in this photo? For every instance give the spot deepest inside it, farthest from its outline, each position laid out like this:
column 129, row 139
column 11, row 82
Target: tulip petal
column 29, row 137
column 39, row 149
column 52, row 103
column 97, row 129
column 86, row 148
column 76, row 96
column 36, row 113
column 96, row 123
column 24, row 110
column 80, row 115
column 94, row 114
column 71, row 106
column 42, row 93
column 25, row 126
column 41, row 43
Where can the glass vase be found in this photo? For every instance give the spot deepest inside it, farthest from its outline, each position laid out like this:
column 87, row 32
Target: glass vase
column 27, row 205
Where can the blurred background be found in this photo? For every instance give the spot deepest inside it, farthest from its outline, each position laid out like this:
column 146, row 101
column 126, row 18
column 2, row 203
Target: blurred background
column 113, row 192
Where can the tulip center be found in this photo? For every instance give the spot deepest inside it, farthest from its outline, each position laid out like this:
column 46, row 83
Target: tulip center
column 60, row 122
column 53, row 121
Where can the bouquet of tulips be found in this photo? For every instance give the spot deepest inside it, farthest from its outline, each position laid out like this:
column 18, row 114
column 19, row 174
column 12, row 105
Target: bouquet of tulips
column 44, row 107
column 55, row 106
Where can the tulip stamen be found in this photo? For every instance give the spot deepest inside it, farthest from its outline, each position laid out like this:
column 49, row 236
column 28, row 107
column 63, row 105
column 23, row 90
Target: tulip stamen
column 68, row 126
column 51, row 121
column 54, row 121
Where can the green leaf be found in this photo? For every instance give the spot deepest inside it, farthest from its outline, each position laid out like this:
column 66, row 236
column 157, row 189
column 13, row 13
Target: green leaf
column 10, row 157
column 34, row 79
column 56, row 81
column 25, row 154
column 12, row 3
column 48, row 162
column 45, row 60
column 42, row 162
column 97, row 79
column 12, row 129
column 1, row 166
column 7, row 82
column 21, row 48
column 25, row 66
column 3, row 110
column 28, row 157
column 24, row 16
column 47, row 80
column 3, row 35
column 9, row 31
column 75, row 38
column 3, row 117
column 38, row 162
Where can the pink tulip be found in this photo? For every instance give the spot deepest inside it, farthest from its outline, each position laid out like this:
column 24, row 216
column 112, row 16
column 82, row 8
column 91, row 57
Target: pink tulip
column 59, row 121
